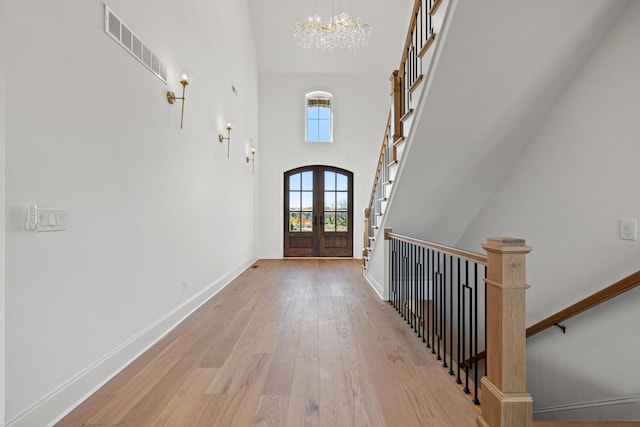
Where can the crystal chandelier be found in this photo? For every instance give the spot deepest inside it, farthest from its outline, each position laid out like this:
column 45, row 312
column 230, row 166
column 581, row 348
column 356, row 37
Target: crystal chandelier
column 341, row 32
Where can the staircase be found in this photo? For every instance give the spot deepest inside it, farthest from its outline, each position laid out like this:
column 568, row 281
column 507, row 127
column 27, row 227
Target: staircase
column 407, row 85
column 465, row 99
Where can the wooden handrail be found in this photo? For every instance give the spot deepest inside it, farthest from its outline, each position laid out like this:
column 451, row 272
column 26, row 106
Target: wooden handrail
column 471, row 256
column 630, row 282
column 412, row 26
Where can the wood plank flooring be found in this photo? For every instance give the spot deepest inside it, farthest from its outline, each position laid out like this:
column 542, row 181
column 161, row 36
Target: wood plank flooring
column 288, row 343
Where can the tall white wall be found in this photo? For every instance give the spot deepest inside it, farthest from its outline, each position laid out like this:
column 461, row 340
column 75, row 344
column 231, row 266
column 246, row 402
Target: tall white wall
column 576, row 178
column 149, row 206
column 2, row 211
column 361, row 108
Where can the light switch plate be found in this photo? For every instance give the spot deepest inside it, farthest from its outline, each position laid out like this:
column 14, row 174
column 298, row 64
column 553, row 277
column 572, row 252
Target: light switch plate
column 628, row 228
column 52, row 220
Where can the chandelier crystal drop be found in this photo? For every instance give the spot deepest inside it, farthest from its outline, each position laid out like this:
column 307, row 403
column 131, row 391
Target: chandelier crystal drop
column 341, row 32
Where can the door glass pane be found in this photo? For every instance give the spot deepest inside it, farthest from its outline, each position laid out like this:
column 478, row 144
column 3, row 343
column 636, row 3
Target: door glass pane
column 342, row 202
column 341, row 221
column 329, row 221
column 307, row 224
column 294, row 182
column 294, row 221
column 307, row 201
column 294, row 201
column 329, row 200
column 307, row 181
column 329, row 181
column 342, row 182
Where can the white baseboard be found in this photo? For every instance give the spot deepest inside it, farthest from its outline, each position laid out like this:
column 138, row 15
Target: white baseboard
column 53, row 407
column 621, row 408
column 375, row 285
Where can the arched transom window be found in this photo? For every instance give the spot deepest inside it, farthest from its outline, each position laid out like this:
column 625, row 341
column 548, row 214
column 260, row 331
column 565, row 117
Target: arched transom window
column 318, row 116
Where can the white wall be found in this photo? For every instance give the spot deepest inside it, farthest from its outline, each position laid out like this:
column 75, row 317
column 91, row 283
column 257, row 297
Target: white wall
column 361, row 108
column 565, row 195
column 148, row 205
column 2, row 212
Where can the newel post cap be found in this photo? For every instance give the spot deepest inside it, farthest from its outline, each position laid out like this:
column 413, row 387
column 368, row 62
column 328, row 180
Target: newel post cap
column 506, row 245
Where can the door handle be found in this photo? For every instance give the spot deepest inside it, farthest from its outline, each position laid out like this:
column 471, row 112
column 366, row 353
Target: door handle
column 315, row 220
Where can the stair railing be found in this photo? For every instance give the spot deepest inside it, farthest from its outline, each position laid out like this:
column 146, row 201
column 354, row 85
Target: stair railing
column 404, row 81
column 618, row 288
column 373, row 212
column 462, row 303
column 419, row 38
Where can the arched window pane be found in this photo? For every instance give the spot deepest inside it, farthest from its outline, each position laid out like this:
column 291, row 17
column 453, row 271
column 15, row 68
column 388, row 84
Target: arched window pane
column 318, row 117
column 324, row 130
column 312, row 130
column 324, row 113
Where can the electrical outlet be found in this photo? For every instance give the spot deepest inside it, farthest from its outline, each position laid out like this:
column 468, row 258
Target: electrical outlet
column 184, row 286
column 628, row 229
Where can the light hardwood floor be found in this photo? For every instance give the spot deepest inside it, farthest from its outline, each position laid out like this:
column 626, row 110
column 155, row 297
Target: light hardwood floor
column 288, row 343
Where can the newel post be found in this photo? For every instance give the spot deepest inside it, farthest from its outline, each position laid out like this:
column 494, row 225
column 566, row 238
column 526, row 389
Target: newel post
column 365, row 242
column 505, row 401
column 386, row 292
column 397, row 107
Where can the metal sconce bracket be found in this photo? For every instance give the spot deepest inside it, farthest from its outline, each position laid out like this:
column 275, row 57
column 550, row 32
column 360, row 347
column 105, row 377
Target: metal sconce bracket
column 221, row 137
column 171, row 97
column 252, row 159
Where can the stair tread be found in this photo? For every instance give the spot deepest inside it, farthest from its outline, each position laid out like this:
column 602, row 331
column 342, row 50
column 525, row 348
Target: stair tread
column 427, row 45
column 416, row 83
column 406, row 115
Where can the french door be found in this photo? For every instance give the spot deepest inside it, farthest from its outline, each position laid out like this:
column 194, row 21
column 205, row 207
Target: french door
column 318, row 212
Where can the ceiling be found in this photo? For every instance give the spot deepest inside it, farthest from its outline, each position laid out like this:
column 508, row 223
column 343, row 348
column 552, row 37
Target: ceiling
column 274, row 22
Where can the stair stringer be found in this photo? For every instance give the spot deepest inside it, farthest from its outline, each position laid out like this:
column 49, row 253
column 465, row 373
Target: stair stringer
column 375, row 273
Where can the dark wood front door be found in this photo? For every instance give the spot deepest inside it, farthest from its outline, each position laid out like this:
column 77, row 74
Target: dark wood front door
column 318, row 212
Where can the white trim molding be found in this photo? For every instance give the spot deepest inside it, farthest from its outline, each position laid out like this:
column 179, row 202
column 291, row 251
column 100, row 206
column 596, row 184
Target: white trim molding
column 600, row 405
column 57, row 404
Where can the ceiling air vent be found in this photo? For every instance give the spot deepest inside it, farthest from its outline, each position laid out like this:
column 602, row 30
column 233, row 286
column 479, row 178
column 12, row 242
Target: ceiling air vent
column 118, row 31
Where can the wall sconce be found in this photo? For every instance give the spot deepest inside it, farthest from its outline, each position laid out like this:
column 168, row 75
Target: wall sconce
column 252, row 159
column 221, row 137
column 171, row 97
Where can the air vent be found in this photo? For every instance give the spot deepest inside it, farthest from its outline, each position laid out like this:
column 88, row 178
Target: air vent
column 118, row 31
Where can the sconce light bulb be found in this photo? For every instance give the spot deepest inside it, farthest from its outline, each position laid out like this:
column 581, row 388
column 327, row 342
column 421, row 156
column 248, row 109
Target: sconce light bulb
column 253, row 151
column 229, row 126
